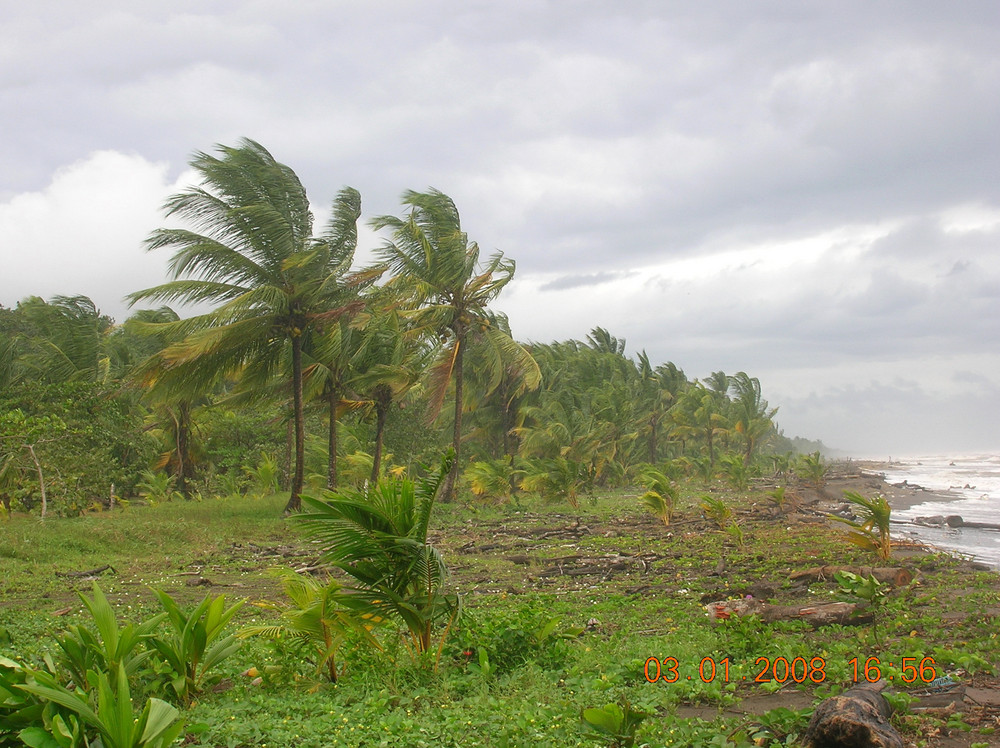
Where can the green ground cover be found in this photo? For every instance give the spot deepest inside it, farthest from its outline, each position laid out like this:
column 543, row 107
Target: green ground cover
column 514, row 671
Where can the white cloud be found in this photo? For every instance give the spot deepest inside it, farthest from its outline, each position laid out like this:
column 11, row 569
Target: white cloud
column 83, row 233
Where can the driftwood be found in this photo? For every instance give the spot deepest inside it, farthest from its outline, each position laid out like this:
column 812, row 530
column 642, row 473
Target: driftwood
column 572, row 531
column 579, row 566
column 858, row 718
column 819, row 614
column 84, row 574
column 585, row 570
column 894, row 575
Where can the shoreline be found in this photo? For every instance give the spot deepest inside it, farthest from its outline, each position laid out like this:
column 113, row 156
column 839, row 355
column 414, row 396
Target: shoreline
column 867, row 476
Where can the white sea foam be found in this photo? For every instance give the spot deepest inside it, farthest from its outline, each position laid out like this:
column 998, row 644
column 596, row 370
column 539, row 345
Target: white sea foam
column 974, row 481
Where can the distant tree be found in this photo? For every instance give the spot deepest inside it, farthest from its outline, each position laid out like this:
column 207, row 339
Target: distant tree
column 388, row 362
column 701, row 413
column 656, row 392
column 603, row 341
column 69, row 340
column 752, row 418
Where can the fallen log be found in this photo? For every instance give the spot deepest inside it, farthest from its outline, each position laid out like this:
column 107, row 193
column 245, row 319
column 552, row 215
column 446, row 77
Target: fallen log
column 84, row 574
column 820, row 614
column 582, row 571
column 858, row 718
column 894, row 575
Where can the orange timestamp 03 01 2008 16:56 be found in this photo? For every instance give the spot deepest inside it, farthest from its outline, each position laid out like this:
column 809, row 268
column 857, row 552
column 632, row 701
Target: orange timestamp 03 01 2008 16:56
column 796, row 669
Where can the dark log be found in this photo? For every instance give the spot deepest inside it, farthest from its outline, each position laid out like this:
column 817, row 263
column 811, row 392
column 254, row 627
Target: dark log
column 89, row 573
column 894, row 575
column 858, row 718
column 582, row 571
column 819, row 614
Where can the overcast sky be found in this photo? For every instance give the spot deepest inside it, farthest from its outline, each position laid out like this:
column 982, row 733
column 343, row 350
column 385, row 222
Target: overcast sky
column 805, row 191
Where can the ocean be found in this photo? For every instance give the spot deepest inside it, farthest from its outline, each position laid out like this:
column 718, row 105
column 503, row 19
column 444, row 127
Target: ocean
column 973, row 481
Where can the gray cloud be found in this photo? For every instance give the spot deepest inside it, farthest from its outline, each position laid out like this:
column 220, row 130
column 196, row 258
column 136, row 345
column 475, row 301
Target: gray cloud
column 776, row 187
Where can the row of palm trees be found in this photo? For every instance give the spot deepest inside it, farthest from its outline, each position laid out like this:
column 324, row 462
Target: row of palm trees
column 291, row 320
column 599, row 416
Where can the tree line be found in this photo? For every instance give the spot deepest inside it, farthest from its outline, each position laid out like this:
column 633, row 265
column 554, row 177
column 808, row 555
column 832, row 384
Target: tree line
column 309, row 372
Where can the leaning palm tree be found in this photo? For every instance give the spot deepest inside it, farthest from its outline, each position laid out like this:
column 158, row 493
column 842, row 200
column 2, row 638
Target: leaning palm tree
column 252, row 252
column 431, row 256
column 752, row 416
column 71, row 340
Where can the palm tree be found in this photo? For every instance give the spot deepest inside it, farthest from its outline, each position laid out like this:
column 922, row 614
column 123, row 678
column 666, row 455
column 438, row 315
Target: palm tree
column 258, row 260
column 171, row 399
column 752, row 419
column 325, row 371
column 332, row 344
column 497, row 393
column 603, row 341
column 655, row 394
column 431, row 255
column 701, row 414
column 71, row 340
column 388, row 362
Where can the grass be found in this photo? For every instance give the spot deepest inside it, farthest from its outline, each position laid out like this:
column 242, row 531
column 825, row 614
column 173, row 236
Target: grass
column 644, row 600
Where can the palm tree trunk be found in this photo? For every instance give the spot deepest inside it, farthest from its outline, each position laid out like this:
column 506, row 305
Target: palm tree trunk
column 451, row 482
column 331, row 477
column 294, row 501
column 652, row 439
column 380, row 414
column 182, row 422
column 381, row 411
column 286, row 467
column 41, row 479
column 331, row 663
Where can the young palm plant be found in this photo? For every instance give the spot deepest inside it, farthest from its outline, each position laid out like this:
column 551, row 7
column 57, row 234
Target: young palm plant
column 660, row 496
column 717, row 511
column 315, row 616
column 379, row 539
column 871, row 530
column 491, row 478
column 557, row 478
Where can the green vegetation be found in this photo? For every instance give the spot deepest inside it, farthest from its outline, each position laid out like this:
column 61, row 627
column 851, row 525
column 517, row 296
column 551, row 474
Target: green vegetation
column 315, row 617
column 307, row 371
column 541, row 640
column 660, row 496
